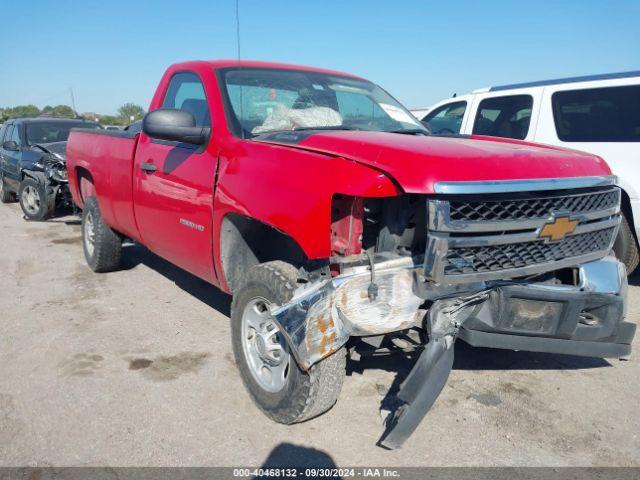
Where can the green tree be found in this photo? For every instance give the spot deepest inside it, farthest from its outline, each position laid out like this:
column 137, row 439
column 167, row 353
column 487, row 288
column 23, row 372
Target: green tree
column 63, row 111
column 21, row 111
column 130, row 112
column 112, row 120
column 59, row 111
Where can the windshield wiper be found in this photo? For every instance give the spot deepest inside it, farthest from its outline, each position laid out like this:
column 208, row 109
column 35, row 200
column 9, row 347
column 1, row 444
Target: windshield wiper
column 335, row 127
column 302, row 129
column 410, row 131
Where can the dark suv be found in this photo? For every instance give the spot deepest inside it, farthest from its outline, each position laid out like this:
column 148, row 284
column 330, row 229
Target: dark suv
column 33, row 163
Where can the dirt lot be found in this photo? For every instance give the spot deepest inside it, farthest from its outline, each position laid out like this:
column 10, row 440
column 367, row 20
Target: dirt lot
column 135, row 368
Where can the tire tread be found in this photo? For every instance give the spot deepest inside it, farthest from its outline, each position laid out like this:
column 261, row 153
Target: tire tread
column 323, row 383
column 107, row 252
column 626, row 247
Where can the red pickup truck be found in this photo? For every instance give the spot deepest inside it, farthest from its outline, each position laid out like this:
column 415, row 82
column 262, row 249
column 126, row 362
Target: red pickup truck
column 341, row 226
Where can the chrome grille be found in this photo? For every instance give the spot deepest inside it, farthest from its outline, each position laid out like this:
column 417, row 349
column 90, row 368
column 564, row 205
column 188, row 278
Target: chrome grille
column 497, row 236
column 518, row 255
column 529, row 208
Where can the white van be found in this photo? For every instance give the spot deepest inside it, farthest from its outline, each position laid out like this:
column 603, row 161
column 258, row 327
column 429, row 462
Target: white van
column 599, row 114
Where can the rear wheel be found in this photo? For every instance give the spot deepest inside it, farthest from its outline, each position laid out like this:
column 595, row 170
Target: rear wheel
column 34, row 201
column 626, row 246
column 102, row 246
column 276, row 384
column 5, row 195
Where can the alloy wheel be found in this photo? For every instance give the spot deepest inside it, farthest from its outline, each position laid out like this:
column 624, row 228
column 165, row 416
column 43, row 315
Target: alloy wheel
column 89, row 234
column 31, row 199
column 264, row 347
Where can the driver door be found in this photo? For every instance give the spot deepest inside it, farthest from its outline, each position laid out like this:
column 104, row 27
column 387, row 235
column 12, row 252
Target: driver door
column 173, row 193
column 11, row 158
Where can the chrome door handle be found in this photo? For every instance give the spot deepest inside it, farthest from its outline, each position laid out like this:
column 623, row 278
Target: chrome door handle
column 148, row 167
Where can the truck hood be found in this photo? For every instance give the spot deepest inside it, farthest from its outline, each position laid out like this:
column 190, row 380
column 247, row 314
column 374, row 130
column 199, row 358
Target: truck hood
column 57, row 148
column 418, row 162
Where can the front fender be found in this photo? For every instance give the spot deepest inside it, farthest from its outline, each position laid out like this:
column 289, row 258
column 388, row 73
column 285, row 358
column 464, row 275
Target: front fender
column 291, row 190
column 37, row 175
column 32, row 161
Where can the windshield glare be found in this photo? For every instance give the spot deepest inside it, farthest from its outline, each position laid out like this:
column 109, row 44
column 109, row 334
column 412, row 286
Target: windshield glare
column 264, row 100
column 49, row 132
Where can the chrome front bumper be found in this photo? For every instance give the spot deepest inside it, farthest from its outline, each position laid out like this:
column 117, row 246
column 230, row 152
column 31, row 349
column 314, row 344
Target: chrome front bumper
column 586, row 320
column 322, row 316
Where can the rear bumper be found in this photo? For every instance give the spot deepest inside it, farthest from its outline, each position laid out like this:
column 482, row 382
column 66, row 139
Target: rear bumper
column 587, row 320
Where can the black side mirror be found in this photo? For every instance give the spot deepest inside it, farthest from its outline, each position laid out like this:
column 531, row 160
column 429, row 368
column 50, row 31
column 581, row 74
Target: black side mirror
column 174, row 125
column 10, row 145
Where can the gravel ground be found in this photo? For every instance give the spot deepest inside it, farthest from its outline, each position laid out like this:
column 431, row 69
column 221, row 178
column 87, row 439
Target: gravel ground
column 135, row 368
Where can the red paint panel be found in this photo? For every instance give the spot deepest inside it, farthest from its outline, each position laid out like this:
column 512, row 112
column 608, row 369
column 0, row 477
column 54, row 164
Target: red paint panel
column 290, row 190
column 418, row 162
column 109, row 160
column 173, row 205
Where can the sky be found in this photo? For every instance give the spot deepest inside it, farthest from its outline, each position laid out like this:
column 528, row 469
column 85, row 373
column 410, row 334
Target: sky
column 114, row 51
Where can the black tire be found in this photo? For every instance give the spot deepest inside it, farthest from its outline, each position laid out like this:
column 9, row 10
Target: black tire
column 626, row 246
column 102, row 246
column 5, row 195
column 305, row 394
column 36, row 203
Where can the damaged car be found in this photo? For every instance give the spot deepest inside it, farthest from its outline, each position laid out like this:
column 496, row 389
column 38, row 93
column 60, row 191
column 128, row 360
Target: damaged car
column 340, row 225
column 33, row 164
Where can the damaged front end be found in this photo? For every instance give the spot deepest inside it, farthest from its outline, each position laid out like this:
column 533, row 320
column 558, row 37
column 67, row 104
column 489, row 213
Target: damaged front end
column 582, row 319
column 324, row 314
column 51, row 170
column 480, row 269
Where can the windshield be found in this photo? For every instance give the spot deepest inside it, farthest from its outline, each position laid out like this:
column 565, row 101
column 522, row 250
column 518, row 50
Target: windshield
column 49, row 132
column 266, row 100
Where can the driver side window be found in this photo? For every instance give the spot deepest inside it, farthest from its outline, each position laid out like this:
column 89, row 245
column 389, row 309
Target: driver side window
column 7, row 130
column 186, row 92
column 15, row 135
column 12, row 134
column 447, row 119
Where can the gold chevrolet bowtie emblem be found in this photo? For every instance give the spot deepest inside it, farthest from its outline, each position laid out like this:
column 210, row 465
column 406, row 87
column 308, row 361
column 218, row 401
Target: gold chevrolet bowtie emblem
column 558, row 228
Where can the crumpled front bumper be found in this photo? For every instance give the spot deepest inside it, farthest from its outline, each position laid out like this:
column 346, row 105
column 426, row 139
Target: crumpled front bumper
column 583, row 319
column 321, row 317
column 586, row 320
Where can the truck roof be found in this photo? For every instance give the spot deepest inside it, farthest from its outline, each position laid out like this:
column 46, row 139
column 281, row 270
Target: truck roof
column 216, row 64
column 45, row 118
column 557, row 81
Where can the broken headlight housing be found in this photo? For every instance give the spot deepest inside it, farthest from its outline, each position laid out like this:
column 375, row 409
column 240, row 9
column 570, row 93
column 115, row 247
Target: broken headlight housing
column 57, row 172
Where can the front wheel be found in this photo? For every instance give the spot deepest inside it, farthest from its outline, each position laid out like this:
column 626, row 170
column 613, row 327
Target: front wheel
column 276, row 384
column 626, row 247
column 102, row 245
column 34, row 201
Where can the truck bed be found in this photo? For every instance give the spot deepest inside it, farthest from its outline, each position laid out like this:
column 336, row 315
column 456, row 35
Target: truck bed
column 108, row 155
